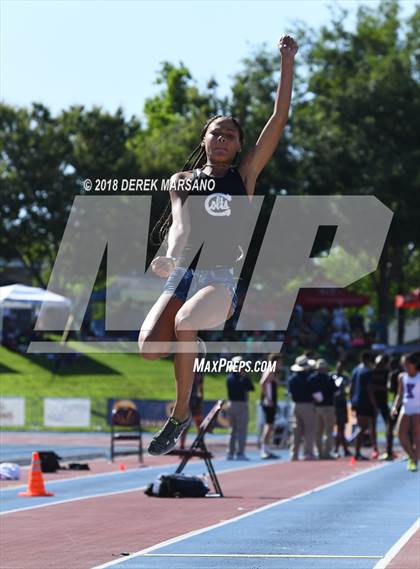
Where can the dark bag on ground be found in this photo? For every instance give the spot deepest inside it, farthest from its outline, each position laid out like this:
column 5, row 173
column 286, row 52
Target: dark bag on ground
column 78, row 466
column 49, row 461
column 177, row 486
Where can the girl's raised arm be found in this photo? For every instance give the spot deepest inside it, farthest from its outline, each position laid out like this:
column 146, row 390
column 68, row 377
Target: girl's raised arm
column 258, row 156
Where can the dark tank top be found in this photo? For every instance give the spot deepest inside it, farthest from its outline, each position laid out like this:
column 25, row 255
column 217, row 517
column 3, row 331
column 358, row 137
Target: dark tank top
column 274, row 386
column 217, row 218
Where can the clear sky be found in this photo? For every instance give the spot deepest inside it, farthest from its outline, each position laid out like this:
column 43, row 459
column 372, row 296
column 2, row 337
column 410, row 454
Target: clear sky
column 107, row 52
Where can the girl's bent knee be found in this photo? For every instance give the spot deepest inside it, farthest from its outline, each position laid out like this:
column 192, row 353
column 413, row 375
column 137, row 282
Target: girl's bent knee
column 184, row 329
column 147, row 353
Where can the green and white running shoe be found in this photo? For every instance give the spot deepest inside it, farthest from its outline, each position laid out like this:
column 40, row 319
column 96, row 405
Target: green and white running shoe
column 165, row 440
column 411, row 466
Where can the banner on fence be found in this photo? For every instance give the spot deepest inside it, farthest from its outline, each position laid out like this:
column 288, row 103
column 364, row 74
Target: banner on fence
column 12, row 411
column 66, row 412
column 154, row 412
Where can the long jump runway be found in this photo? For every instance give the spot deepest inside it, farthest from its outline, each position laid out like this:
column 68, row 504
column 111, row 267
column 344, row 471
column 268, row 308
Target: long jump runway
column 317, row 515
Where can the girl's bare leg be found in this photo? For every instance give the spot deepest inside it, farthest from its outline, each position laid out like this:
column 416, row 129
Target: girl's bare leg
column 158, row 326
column 416, row 435
column 208, row 308
column 365, row 424
column 374, row 433
column 267, row 434
column 403, row 434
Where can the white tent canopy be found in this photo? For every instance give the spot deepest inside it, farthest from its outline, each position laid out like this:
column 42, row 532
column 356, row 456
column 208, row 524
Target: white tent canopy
column 18, row 296
column 21, row 296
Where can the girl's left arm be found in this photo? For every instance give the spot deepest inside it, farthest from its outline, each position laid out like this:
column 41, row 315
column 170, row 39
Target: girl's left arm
column 265, row 377
column 255, row 160
column 399, row 397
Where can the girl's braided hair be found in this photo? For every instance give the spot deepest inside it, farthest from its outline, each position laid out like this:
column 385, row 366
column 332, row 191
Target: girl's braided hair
column 196, row 159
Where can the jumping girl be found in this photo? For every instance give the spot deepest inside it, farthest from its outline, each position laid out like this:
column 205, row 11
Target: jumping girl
column 212, row 298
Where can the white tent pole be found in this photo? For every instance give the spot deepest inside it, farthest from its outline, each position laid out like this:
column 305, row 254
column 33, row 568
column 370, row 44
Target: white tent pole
column 66, row 330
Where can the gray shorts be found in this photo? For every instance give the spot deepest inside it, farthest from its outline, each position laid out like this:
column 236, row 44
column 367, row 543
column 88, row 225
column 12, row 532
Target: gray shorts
column 179, row 282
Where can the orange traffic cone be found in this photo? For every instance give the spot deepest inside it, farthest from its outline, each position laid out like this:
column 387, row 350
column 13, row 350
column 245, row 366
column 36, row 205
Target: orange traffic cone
column 352, row 461
column 35, row 479
column 122, row 467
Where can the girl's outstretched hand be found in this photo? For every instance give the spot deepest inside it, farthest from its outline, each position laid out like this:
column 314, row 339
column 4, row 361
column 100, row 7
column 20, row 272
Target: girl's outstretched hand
column 163, row 266
column 288, row 46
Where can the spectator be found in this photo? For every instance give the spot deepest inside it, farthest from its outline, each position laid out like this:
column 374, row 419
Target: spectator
column 356, row 322
column 360, row 400
column 409, row 420
column 269, row 383
column 303, row 411
column 238, row 386
column 339, row 320
column 393, row 377
column 323, row 390
column 342, row 383
column 369, row 316
column 378, row 393
column 358, row 339
column 196, row 404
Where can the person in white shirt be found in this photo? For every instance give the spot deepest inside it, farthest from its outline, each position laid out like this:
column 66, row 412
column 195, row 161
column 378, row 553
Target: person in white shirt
column 409, row 419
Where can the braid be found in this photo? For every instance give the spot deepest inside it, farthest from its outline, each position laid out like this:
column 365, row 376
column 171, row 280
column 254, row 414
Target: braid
column 161, row 226
column 196, row 159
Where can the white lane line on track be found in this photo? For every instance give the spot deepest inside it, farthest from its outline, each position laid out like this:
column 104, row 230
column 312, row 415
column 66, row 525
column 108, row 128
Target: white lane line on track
column 78, row 499
column 263, row 555
column 146, row 468
column 396, row 548
column 71, row 478
column 238, row 518
column 105, row 494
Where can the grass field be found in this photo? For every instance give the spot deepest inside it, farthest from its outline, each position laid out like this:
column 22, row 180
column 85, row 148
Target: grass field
column 99, row 377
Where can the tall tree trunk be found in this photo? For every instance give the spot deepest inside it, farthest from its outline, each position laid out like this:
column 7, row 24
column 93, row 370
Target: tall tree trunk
column 30, row 265
column 398, row 264
column 383, row 294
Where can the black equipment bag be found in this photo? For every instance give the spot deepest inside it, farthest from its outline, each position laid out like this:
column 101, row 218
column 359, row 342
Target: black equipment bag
column 49, row 461
column 177, row 486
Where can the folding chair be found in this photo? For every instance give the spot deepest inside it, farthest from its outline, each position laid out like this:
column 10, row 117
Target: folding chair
column 198, row 448
column 129, row 419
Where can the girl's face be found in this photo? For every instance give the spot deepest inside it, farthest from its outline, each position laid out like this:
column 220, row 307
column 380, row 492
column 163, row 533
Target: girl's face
column 221, row 141
column 410, row 368
column 279, row 363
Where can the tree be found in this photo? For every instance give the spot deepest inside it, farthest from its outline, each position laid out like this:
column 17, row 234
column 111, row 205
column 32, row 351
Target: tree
column 356, row 127
column 174, row 118
column 43, row 162
column 36, row 186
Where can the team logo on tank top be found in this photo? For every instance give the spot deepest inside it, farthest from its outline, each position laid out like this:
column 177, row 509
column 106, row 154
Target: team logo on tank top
column 218, row 204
